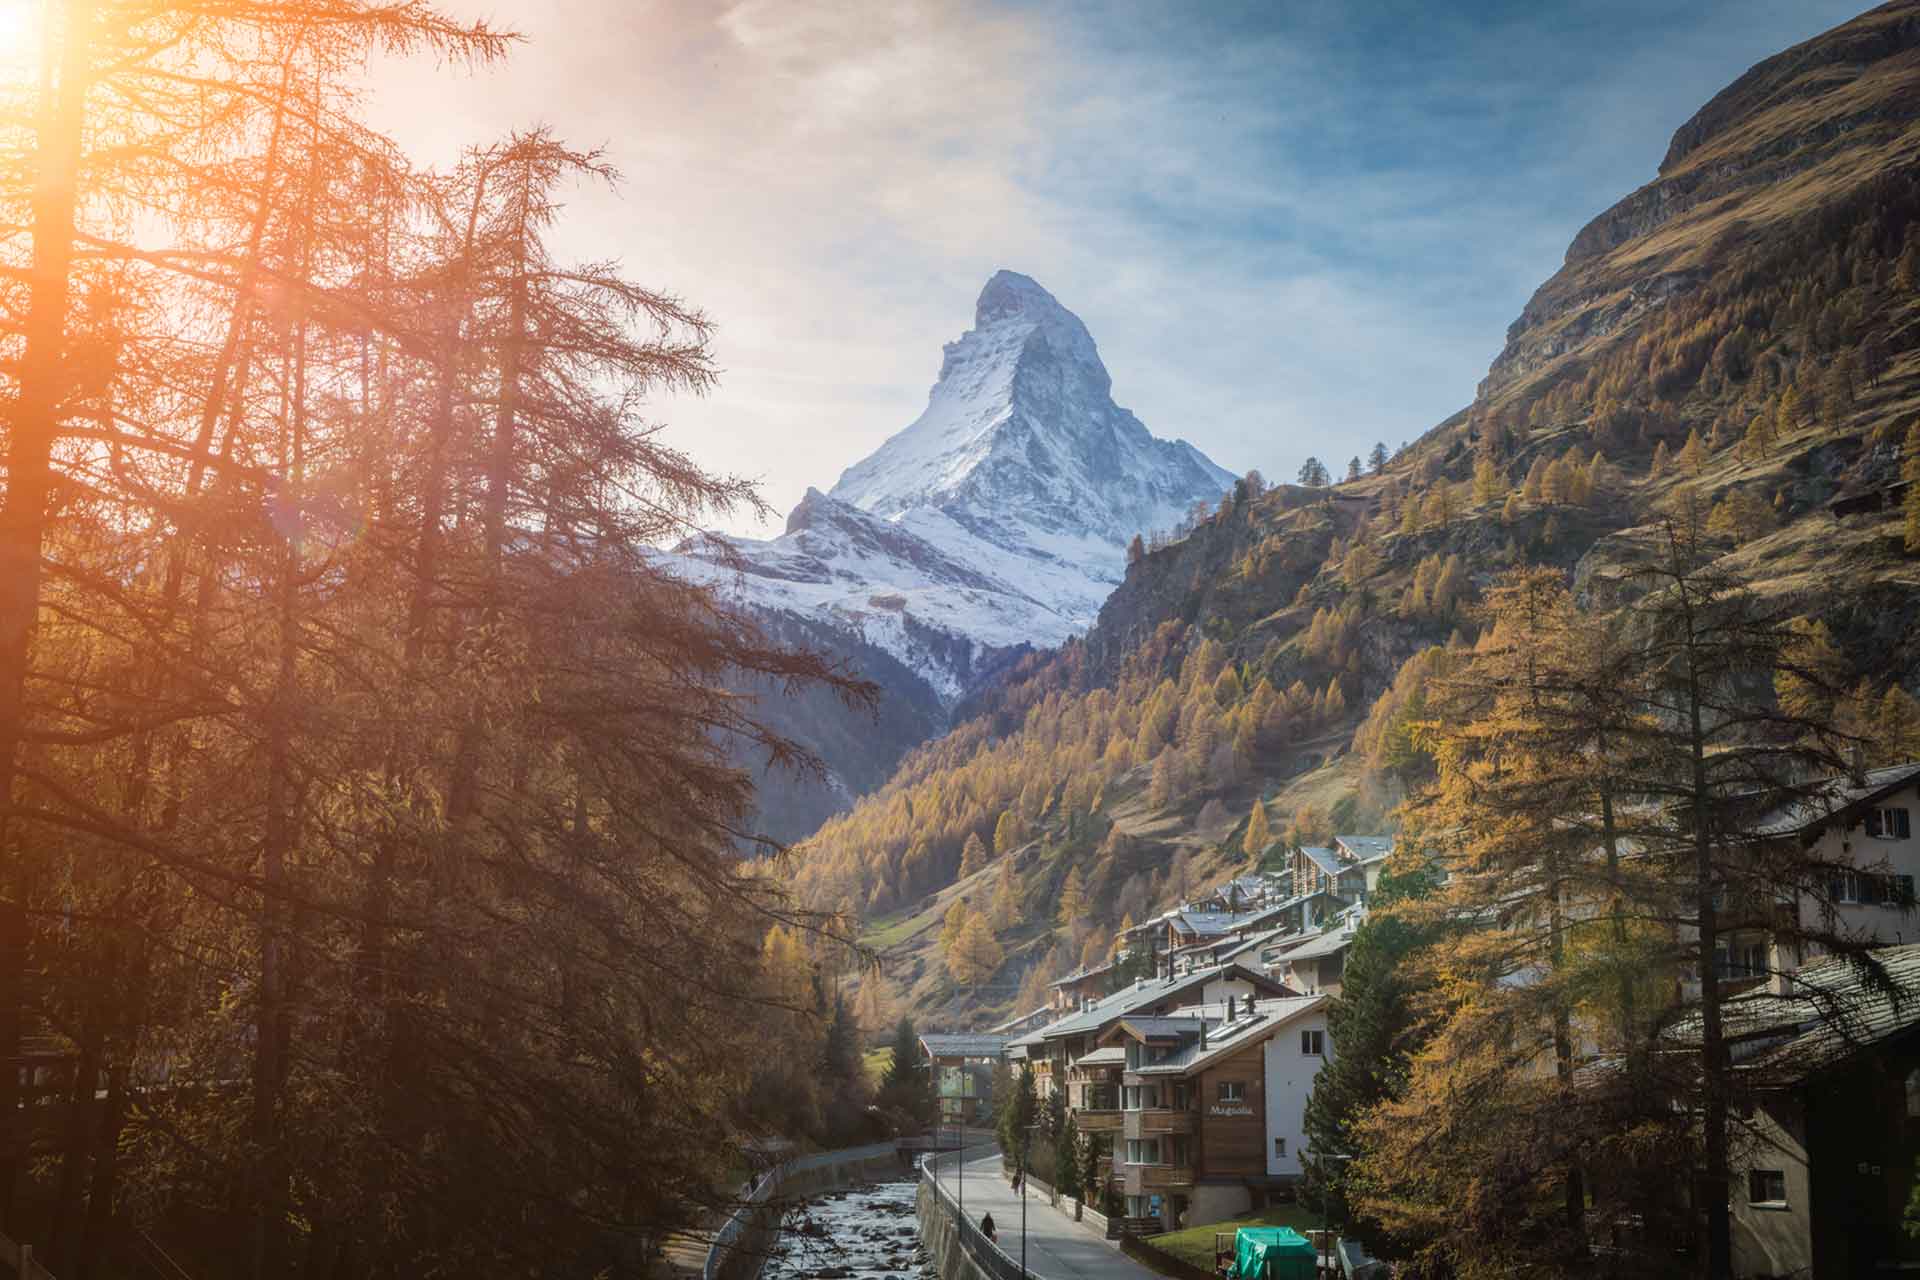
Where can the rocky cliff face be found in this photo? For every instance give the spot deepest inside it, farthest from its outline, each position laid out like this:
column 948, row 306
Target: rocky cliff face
column 1796, row 132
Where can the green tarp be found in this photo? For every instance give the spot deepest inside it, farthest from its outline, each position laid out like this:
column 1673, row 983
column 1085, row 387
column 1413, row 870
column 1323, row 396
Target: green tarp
column 1272, row 1253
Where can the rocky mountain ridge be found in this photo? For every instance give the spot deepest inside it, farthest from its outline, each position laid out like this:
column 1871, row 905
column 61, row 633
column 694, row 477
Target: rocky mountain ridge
column 997, row 521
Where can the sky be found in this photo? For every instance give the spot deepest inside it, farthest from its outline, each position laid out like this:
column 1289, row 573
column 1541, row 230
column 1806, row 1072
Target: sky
column 1294, row 227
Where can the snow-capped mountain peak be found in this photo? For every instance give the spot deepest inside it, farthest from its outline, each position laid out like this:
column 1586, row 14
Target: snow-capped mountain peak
column 1021, row 437
column 996, row 521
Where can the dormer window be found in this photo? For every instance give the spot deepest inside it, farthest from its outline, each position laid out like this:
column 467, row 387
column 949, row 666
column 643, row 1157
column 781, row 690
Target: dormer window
column 1889, row 824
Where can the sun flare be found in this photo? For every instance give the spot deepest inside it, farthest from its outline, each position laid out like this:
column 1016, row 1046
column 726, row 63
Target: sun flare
column 19, row 38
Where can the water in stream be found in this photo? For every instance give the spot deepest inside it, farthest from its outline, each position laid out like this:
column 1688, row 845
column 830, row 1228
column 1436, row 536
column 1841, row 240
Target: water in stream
column 858, row 1233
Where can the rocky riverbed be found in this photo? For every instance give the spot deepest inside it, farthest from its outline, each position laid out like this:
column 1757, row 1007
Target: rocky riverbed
column 860, row 1233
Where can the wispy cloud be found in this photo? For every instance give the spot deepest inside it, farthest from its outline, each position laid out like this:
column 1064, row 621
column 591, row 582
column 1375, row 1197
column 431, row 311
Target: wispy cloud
column 1293, row 228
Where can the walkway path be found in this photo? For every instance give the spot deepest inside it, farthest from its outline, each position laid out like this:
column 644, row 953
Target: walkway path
column 1058, row 1248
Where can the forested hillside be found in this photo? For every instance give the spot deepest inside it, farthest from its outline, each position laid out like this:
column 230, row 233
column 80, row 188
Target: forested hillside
column 1735, row 346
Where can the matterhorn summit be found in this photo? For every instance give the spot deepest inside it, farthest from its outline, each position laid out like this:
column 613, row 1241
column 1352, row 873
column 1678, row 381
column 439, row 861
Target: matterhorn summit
column 1021, row 442
column 996, row 521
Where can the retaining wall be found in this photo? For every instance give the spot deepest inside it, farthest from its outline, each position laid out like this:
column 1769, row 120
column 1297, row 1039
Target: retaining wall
column 741, row 1246
column 954, row 1243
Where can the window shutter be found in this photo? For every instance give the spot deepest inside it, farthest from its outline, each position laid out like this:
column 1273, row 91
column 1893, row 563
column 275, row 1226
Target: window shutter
column 1873, row 822
column 1901, row 825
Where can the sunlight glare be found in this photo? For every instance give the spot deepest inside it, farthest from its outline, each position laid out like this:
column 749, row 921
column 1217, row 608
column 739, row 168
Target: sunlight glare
column 19, row 39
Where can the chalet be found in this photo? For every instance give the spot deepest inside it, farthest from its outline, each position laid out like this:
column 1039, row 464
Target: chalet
column 1313, row 963
column 1213, row 1102
column 1054, row 1052
column 1864, row 820
column 1021, row 1023
column 1073, row 991
column 1189, row 928
column 1348, row 869
column 1831, row 1076
column 963, row 1074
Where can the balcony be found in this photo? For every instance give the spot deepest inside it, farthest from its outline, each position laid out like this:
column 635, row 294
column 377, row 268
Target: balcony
column 1160, row 1120
column 1146, row 1179
column 1087, row 1120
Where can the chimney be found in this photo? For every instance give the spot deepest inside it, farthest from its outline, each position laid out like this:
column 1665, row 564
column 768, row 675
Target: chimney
column 1229, row 1008
column 1249, row 1004
column 1203, row 1033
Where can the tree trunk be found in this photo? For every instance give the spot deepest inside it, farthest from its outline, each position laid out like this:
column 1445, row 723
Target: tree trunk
column 33, row 426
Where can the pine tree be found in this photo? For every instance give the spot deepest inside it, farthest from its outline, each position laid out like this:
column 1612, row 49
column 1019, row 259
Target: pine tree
column 1353, row 468
column 1074, row 906
column 1693, row 454
column 1375, row 1027
column 1259, row 834
column 1487, row 485
column 1534, row 486
column 1006, row 898
column 975, row 956
column 1377, row 458
column 1313, row 473
column 1788, row 412
column 973, row 855
column 1007, row 833
column 1661, row 461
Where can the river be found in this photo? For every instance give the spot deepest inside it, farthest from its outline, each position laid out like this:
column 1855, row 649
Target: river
column 860, row 1233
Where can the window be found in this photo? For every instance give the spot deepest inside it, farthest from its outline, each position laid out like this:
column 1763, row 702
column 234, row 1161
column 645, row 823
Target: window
column 1766, row 1186
column 1889, row 824
column 1850, row 887
column 1133, row 1055
column 1899, row 891
column 1279, row 1148
column 1132, row 1092
column 1232, row 1091
column 1143, row 1151
column 1313, row 1044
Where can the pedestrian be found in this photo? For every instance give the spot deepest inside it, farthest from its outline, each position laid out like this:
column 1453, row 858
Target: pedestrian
column 986, row 1227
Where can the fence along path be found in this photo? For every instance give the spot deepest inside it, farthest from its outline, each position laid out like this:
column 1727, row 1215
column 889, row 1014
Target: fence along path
column 767, row 1186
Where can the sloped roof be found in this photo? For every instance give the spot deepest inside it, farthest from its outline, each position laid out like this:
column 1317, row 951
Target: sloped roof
column 1225, row 1037
column 1835, row 798
column 1322, row 857
column 1365, row 848
column 1835, row 1010
column 964, row 1045
column 1147, row 992
column 1114, row 1055
column 1166, row 1028
column 1016, row 1020
column 1081, row 975
column 1326, row 944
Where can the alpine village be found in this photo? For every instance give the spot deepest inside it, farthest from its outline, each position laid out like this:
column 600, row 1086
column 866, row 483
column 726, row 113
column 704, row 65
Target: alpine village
column 444, row 834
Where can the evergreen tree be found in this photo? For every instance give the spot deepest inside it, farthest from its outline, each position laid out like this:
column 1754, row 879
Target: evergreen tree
column 1006, row 898
column 1073, row 909
column 1661, row 461
column 1693, row 454
column 1375, row 1027
column 973, row 854
column 908, row 1084
column 1377, row 459
column 1353, row 468
column 1313, row 473
column 1259, row 834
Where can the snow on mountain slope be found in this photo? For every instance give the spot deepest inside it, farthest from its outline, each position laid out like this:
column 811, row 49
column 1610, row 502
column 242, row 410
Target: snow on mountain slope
column 998, row 520
column 1022, row 443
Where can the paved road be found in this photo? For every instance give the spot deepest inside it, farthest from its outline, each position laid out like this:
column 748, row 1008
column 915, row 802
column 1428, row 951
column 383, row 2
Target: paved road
column 1058, row 1248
